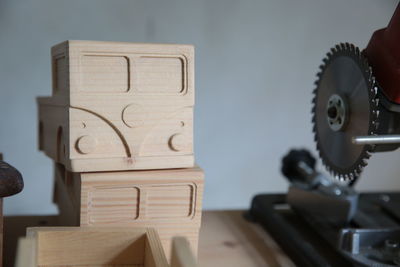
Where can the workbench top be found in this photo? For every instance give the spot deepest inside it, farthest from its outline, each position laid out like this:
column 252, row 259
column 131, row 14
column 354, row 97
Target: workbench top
column 226, row 239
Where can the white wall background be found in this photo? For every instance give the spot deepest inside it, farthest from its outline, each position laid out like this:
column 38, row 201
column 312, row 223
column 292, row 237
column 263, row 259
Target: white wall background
column 255, row 67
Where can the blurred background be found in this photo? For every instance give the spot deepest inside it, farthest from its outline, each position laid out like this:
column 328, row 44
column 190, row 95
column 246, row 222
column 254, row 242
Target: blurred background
column 256, row 63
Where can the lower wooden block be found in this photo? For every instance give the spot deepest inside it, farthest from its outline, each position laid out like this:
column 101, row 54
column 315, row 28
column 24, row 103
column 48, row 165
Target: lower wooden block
column 99, row 247
column 77, row 246
column 168, row 200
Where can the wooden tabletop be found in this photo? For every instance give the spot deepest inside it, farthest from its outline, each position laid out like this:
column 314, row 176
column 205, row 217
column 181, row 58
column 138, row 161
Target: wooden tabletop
column 226, row 239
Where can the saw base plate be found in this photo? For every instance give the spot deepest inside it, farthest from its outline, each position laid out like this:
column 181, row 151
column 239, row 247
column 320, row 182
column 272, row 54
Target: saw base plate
column 312, row 241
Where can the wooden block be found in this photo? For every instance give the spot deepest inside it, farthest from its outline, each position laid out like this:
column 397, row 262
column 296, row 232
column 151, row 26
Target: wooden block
column 168, row 200
column 95, row 247
column 26, row 256
column 119, row 106
column 182, row 255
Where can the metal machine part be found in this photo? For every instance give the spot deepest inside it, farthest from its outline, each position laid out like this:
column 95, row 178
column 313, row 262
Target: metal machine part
column 345, row 105
column 313, row 192
column 377, row 139
column 324, row 223
column 383, row 54
column 321, row 222
column 336, row 111
column 354, row 113
column 371, row 239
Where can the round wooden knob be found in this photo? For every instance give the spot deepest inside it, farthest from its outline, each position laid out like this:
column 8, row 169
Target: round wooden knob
column 177, row 142
column 86, row 144
column 134, row 115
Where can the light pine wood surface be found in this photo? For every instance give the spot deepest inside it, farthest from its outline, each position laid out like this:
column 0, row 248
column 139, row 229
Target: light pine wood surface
column 119, row 106
column 99, row 247
column 168, row 200
column 181, row 254
column 226, row 239
column 91, row 246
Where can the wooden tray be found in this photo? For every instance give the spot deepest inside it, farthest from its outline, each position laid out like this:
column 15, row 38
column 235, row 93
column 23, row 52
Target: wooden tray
column 97, row 247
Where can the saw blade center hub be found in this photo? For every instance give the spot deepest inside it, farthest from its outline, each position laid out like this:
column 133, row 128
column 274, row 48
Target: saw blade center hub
column 336, row 112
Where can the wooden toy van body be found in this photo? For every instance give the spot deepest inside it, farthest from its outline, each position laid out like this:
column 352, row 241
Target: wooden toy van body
column 119, row 106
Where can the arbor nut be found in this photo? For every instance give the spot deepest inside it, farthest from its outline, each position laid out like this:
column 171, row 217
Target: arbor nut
column 177, row 142
column 86, row 144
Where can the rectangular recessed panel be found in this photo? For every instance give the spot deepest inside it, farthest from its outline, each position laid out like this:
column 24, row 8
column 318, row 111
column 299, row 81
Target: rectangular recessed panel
column 110, row 205
column 170, row 201
column 60, row 73
column 102, row 73
column 160, row 75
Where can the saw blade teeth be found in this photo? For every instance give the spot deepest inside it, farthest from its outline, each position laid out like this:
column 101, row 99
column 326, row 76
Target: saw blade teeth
column 356, row 49
column 370, row 77
column 364, row 163
column 314, row 92
column 348, row 50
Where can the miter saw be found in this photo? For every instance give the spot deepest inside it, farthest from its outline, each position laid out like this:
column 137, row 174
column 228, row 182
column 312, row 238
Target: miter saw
column 355, row 112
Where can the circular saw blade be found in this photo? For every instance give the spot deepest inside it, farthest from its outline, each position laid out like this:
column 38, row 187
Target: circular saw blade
column 345, row 105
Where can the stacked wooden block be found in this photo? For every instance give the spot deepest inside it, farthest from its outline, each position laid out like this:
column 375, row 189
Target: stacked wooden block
column 119, row 128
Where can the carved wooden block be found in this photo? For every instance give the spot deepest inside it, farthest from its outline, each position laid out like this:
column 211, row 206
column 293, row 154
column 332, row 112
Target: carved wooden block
column 168, row 200
column 119, row 106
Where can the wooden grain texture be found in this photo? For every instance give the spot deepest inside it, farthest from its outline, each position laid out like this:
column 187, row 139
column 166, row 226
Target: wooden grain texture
column 119, row 106
column 228, row 239
column 152, row 246
column 94, row 247
column 181, row 254
column 168, row 200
